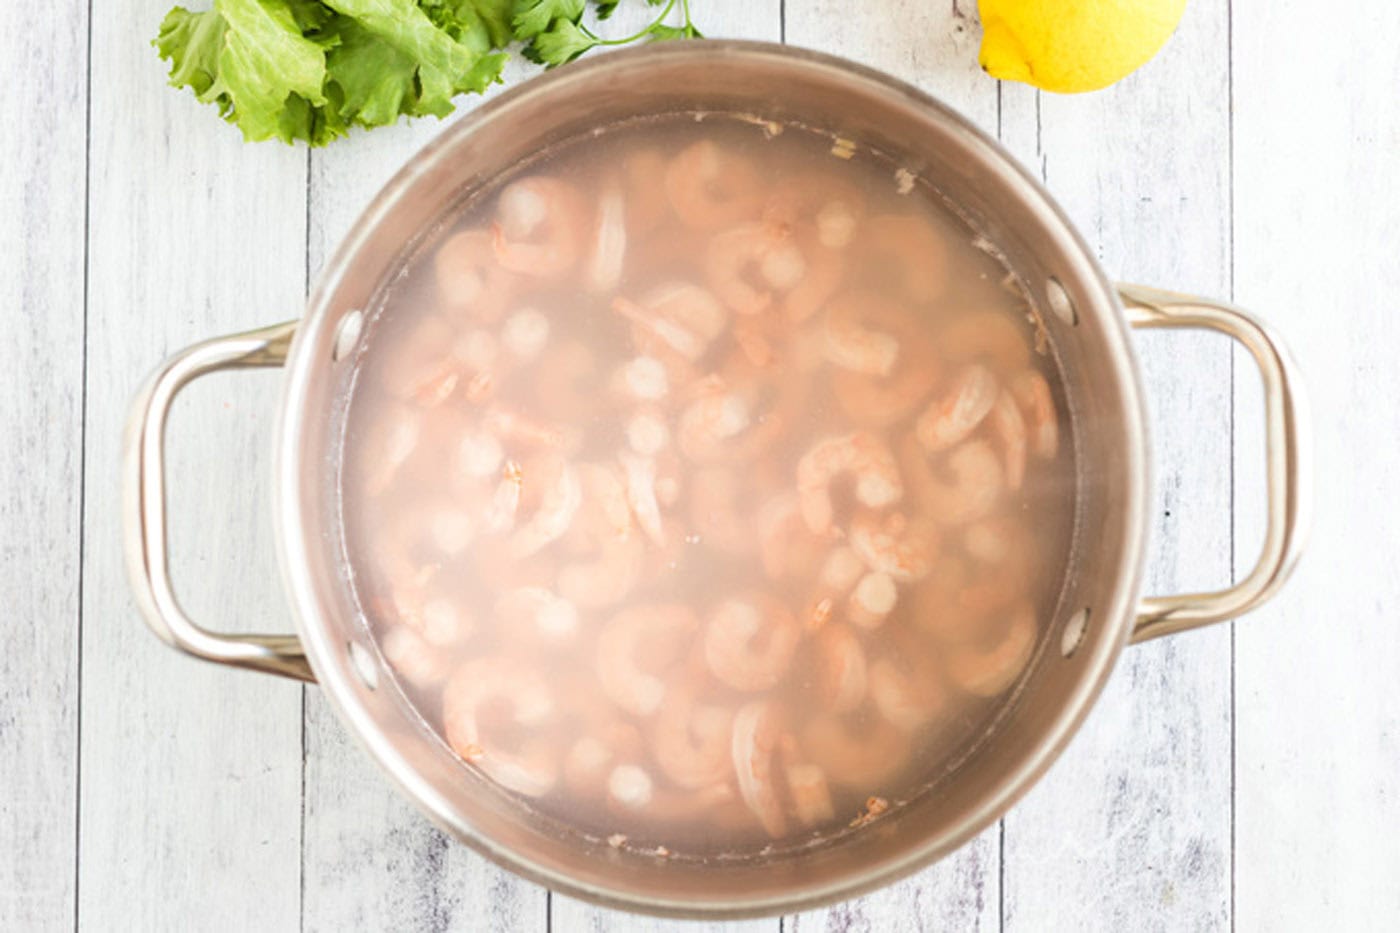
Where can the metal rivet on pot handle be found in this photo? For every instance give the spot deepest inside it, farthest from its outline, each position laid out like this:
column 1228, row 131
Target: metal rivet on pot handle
column 143, row 505
column 1287, row 449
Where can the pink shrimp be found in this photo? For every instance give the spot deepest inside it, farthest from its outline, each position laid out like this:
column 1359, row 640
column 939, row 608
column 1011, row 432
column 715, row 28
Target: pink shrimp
column 1033, row 393
column 635, row 650
column 757, row 732
column 523, row 429
column 811, row 797
column 894, row 544
column 632, row 791
column 908, row 689
column 611, row 555
column 716, row 512
column 840, row 669
column 678, row 317
column 882, row 400
column 937, row 605
column 711, row 187
column 609, row 246
column 468, row 279
column 951, row 418
column 559, row 498
column 748, row 265
column 872, row 600
column 691, row 739
column 1003, row 565
column 788, row 549
column 547, row 615
column 505, row 687
column 412, row 658
column 987, row 669
column 992, row 337
column 592, row 756
column 424, row 369
column 861, row 455
column 641, row 495
column 502, row 510
column 711, row 421
column 566, row 382
column 973, row 488
column 904, row 250
column 750, row 640
column 524, row 334
column 841, row 570
column 826, row 270
column 853, row 752
column 851, row 344
column 391, row 440
column 822, row 202
column 539, row 227
column 1009, row 427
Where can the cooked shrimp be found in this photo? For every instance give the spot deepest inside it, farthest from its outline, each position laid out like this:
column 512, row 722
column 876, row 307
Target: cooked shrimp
column 644, row 378
column 872, row 600
column 545, row 613
column 520, row 695
column 841, row 570
column 636, row 648
column 412, row 658
column 711, row 187
column 840, row 675
column 539, row 227
column 504, row 506
column 1003, row 566
column 882, row 400
column 906, row 252
column 852, row 344
column 641, row 495
column 469, row 281
column 678, row 316
column 1033, row 392
column 691, row 739
column 749, row 641
column 479, row 454
column 988, row 669
column 592, row 756
column 894, row 544
column 821, row 201
column 950, row 418
column 748, row 265
column 559, row 501
column 1009, row 427
column 392, row 439
column 605, row 578
column 811, row 797
column 525, row 333
column 855, row 753
column 648, row 434
column 609, row 249
column 826, row 271
column 861, row 455
column 789, row 550
column 972, row 489
column 908, row 689
column 989, row 336
column 757, row 730
column 424, row 371
column 709, row 421
column 523, row 429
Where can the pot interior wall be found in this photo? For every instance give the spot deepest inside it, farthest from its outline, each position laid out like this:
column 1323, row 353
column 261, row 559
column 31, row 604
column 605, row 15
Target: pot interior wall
column 1098, row 390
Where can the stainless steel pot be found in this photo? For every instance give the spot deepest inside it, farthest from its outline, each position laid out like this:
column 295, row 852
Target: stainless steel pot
column 1100, row 611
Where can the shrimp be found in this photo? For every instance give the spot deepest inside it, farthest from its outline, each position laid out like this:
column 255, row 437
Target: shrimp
column 788, row 549
column 424, row 371
column 679, row 317
column 757, row 730
column 1032, row 391
column 691, row 740
column 880, row 400
column 565, row 382
column 746, row 265
column 851, row 344
column 643, row 379
column 872, row 600
column 986, row 670
column 950, row 419
column 592, row 756
column 904, row 250
column 840, row 571
column 741, row 413
column 1003, row 567
column 895, row 544
column 711, row 187
column 821, row 201
column 853, row 752
column 517, row 692
column 524, row 429
column 479, row 454
column 826, row 270
column 811, row 797
column 641, row 495
column 989, row 336
column 648, row 434
column 525, row 333
column 392, row 439
column 1009, row 427
column 908, row 689
column 973, row 490
column 602, row 531
column 635, row 649
column 504, row 506
column 749, row 642
column 840, row 669
column 609, row 253
column 863, row 456
column 716, row 513
column 709, row 421
column 468, row 279
column 549, row 615
column 539, row 227
column 412, row 658
column 559, row 502
column 632, row 790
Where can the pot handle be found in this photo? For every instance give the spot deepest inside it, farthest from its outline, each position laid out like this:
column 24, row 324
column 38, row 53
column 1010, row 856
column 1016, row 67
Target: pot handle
column 1288, row 451
column 143, row 505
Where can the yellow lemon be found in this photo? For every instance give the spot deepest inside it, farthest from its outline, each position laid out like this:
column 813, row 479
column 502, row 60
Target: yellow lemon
column 1073, row 45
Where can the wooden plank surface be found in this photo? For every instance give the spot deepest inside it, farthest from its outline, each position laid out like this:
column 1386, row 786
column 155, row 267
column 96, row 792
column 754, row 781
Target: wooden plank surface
column 1131, row 830
column 1317, row 223
column 41, row 290
column 191, row 773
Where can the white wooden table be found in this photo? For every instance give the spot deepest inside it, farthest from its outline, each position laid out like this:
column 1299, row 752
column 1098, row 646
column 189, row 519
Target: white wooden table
column 1246, row 776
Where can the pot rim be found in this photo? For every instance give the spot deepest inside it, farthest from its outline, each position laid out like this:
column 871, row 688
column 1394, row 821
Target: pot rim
column 295, row 545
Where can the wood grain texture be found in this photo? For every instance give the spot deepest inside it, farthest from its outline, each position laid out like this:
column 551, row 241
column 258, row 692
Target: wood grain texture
column 191, row 773
column 43, row 57
column 1132, row 828
column 1317, row 223
column 934, row 48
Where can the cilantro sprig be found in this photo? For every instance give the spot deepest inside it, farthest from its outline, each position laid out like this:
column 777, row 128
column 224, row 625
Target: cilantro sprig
column 312, row 69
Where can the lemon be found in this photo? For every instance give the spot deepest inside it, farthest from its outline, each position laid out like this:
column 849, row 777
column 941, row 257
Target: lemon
column 1073, row 45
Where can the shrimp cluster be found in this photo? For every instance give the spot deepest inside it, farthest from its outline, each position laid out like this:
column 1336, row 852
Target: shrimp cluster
column 701, row 493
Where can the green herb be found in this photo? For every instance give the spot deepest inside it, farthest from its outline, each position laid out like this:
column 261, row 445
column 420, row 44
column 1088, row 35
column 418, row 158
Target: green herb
column 311, row 69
